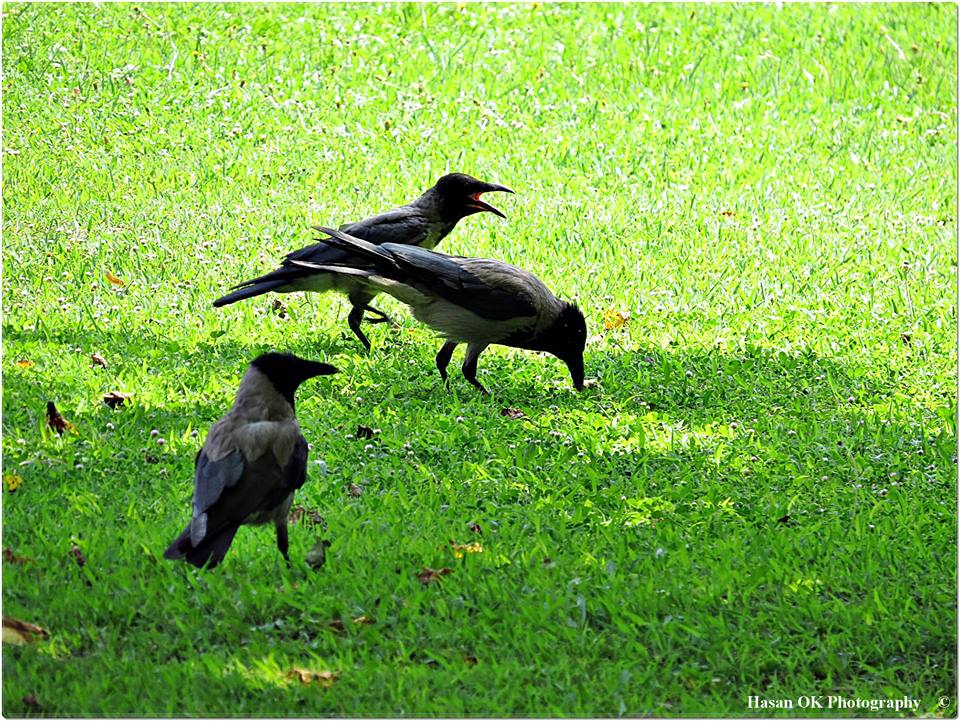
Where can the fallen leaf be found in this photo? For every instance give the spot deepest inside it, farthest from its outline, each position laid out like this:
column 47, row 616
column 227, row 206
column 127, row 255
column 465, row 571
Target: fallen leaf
column 11, row 557
column 364, row 432
column 325, row 679
column 97, row 360
column 115, row 280
column 363, row 621
column 475, row 527
column 459, row 549
column 513, row 414
column 279, row 308
column 317, row 556
column 12, row 481
column 296, row 513
column 337, row 625
column 56, row 421
column 354, row 490
column 727, row 213
column 24, row 363
column 115, row 399
column 429, row 575
column 21, row 632
column 613, row 319
column 78, row 556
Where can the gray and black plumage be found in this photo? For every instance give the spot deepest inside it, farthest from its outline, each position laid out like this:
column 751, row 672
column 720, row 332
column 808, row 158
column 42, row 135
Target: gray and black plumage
column 424, row 222
column 252, row 462
column 476, row 301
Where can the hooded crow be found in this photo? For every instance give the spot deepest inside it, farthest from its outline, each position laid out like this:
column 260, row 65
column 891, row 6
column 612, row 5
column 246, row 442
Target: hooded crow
column 424, row 222
column 475, row 301
column 251, row 463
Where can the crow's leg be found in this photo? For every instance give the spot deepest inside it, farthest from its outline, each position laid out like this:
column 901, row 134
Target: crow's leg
column 384, row 318
column 283, row 541
column 443, row 359
column 353, row 320
column 470, row 366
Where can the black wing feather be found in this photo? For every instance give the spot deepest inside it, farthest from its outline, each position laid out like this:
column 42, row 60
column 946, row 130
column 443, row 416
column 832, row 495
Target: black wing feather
column 442, row 275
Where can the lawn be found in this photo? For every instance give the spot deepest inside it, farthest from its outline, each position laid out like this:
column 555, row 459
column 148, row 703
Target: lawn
column 756, row 498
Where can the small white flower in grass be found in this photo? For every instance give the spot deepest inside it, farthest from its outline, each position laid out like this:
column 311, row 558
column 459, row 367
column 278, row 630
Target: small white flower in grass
column 110, row 426
column 161, row 442
column 154, row 433
column 660, row 553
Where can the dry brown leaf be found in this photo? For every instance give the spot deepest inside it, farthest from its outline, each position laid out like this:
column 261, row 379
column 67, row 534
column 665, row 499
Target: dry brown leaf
column 354, row 490
column 12, row 481
column 363, row 621
column 280, row 309
column 459, row 549
column 56, row 421
column 114, row 279
column 20, row 632
column 337, row 625
column 514, row 414
column 24, row 363
column 11, row 557
column 727, row 213
column 115, row 399
column 325, row 679
column 78, row 556
column 97, row 360
column 429, row 575
column 613, row 318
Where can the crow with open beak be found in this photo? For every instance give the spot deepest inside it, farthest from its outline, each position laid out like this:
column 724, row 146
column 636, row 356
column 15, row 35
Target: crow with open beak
column 476, row 301
column 252, row 462
column 424, row 222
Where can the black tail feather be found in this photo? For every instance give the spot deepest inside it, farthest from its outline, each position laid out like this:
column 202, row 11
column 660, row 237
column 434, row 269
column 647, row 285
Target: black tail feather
column 209, row 552
column 249, row 291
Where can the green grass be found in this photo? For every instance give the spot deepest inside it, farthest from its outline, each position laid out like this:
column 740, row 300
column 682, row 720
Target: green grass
column 758, row 497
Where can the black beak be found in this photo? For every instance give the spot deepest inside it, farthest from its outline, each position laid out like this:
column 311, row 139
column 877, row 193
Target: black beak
column 575, row 365
column 478, row 206
column 312, row 369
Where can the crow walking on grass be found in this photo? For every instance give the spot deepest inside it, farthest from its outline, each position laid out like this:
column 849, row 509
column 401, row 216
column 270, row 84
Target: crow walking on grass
column 251, row 463
column 476, row 301
column 423, row 222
